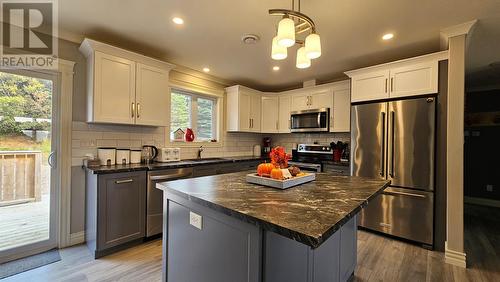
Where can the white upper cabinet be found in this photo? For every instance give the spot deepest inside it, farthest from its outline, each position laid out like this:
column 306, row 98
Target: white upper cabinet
column 370, row 86
column 270, row 114
column 416, row 79
column 285, row 103
column 321, row 99
column 405, row 78
column 152, row 96
column 114, row 89
column 243, row 109
column 125, row 87
column 300, row 102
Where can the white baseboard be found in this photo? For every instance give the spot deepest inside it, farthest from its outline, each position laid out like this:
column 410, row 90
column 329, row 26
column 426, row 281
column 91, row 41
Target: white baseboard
column 482, row 202
column 455, row 258
column 77, row 238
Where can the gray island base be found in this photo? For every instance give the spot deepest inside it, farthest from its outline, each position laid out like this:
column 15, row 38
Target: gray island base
column 220, row 228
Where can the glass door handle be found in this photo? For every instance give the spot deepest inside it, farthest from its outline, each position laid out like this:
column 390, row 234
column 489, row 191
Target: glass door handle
column 50, row 159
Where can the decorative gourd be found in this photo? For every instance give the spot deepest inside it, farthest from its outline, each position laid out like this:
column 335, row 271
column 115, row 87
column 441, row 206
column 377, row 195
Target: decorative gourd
column 276, row 173
column 264, row 169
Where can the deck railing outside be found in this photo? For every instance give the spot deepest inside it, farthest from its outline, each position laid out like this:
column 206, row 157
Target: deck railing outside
column 20, row 177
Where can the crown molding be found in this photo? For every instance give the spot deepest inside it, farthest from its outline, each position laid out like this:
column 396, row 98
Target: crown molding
column 456, row 30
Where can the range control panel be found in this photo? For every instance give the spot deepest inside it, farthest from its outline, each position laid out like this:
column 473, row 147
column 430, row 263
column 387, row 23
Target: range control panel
column 314, row 148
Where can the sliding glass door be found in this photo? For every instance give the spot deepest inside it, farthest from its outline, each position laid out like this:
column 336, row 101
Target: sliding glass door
column 28, row 194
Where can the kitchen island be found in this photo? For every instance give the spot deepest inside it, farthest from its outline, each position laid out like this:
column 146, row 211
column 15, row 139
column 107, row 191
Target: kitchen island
column 221, row 228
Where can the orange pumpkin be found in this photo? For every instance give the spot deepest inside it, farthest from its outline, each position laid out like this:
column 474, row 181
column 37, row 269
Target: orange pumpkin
column 276, row 173
column 264, row 169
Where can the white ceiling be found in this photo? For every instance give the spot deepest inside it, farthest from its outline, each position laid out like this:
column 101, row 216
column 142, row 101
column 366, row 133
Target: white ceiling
column 350, row 30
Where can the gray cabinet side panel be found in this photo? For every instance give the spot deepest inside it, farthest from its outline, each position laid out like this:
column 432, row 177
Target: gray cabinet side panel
column 327, row 260
column 224, row 250
column 348, row 248
column 285, row 259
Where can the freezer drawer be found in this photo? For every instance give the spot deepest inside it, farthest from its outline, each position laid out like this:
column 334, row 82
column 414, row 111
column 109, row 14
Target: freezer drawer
column 403, row 213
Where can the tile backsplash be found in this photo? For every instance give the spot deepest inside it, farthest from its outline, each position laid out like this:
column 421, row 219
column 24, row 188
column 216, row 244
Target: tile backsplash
column 288, row 140
column 88, row 137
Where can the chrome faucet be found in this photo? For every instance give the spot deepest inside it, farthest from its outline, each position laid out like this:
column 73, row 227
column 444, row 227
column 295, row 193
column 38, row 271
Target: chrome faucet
column 200, row 150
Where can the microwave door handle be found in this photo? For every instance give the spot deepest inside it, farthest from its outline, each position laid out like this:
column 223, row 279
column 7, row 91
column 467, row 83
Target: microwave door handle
column 319, row 120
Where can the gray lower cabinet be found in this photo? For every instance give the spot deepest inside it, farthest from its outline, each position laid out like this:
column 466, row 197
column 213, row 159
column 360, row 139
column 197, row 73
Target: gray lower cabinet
column 116, row 205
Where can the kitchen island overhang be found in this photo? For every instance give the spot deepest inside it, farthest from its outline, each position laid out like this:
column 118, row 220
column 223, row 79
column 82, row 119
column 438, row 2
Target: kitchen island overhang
column 256, row 232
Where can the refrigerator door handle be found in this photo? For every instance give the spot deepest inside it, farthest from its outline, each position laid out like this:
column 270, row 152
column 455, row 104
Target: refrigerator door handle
column 391, row 172
column 382, row 159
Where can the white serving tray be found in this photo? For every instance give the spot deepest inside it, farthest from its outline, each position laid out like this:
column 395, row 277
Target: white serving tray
column 280, row 184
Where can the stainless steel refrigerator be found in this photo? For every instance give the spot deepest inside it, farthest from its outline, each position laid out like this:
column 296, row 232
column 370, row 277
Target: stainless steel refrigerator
column 396, row 140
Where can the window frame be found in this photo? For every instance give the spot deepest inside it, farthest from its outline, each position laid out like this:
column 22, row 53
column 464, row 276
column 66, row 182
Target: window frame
column 216, row 114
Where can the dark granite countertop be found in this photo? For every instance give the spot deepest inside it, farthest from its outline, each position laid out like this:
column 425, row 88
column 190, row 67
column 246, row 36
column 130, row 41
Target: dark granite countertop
column 309, row 213
column 158, row 165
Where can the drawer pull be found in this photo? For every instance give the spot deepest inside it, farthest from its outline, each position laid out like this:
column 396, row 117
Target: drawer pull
column 124, row 181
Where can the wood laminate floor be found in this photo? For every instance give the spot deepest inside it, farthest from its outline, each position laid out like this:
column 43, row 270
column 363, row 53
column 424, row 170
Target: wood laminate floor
column 379, row 259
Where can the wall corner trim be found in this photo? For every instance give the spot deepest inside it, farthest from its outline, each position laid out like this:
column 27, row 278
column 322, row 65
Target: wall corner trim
column 455, row 258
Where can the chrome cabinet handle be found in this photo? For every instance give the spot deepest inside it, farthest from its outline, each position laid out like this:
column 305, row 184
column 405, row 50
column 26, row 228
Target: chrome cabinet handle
column 382, row 159
column 392, row 84
column 138, row 110
column 50, row 159
column 404, row 194
column 124, row 181
column 386, row 85
column 133, row 109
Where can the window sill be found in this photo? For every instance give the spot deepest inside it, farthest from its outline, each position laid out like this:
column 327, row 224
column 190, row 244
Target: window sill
column 184, row 144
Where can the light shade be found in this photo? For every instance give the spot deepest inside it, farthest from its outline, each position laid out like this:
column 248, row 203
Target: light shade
column 278, row 52
column 302, row 60
column 286, row 32
column 313, row 46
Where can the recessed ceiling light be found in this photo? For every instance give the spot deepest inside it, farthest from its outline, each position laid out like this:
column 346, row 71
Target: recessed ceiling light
column 177, row 20
column 276, row 68
column 387, row 36
column 206, row 69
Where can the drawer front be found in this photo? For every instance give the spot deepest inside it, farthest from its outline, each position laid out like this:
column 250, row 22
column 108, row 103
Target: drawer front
column 403, row 213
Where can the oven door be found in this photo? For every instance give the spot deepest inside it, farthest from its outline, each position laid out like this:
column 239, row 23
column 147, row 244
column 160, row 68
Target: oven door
column 310, row 120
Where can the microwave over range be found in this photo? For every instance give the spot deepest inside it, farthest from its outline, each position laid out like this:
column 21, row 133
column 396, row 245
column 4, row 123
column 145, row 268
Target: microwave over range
column 317, row 120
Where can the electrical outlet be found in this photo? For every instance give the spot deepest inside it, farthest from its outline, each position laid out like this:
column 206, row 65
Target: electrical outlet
column 489, row 188
column 195, row 220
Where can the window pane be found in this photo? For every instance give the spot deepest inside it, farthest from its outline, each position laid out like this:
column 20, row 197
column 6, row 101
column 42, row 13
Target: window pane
column 180, row 112
column 205, row 119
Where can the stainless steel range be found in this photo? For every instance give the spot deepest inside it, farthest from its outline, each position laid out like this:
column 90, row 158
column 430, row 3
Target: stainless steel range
column 311, row 156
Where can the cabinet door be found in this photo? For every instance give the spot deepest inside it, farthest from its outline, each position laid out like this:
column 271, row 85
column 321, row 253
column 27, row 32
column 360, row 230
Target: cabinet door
column 300, row 102
column 152, row 96
column 244, row 110
column 341, row 111
column 121, row 208
column 322, row 99
column 270, row 112
column 255, row 111
column 114, row 89
column 284, row 114
column 370, row 86
column 417, row 79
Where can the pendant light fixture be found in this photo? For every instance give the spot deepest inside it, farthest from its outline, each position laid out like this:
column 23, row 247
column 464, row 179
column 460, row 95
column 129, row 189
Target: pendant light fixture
column 278, row 52
column 302, row 61
column 291, row 26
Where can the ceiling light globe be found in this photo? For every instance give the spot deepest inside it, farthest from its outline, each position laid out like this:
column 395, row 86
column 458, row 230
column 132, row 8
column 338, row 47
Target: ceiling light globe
column 278, row 52
column 303, row 61
column 286, row 32
column 313, row 46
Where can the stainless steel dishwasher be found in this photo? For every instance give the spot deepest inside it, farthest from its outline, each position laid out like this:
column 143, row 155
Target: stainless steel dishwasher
column 154, row 212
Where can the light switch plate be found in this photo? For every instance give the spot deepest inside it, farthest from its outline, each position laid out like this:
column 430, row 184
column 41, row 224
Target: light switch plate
column 195, row 220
